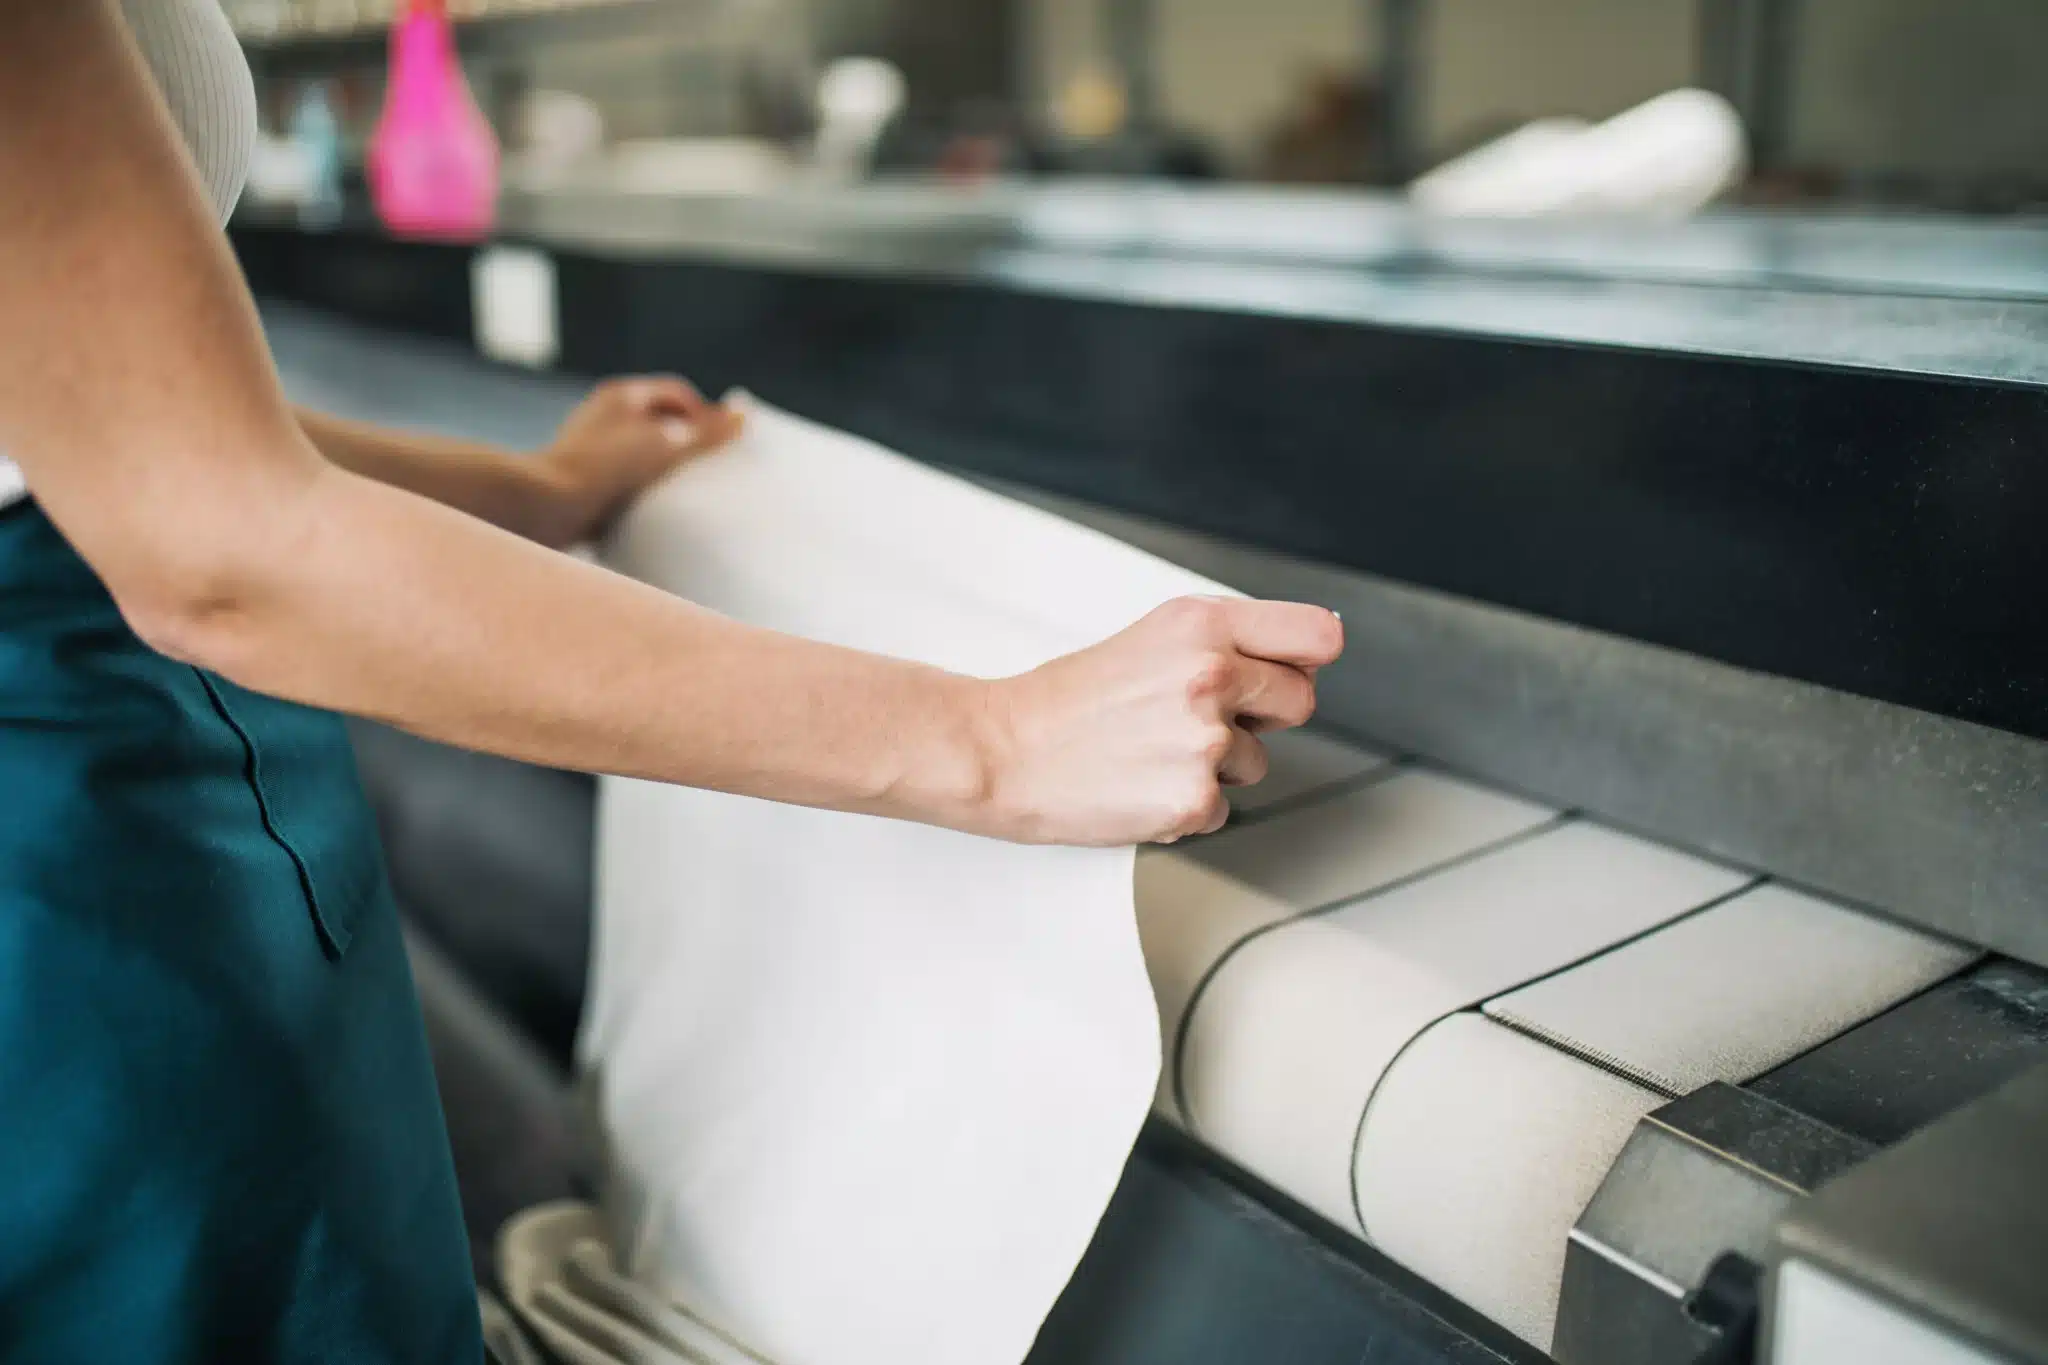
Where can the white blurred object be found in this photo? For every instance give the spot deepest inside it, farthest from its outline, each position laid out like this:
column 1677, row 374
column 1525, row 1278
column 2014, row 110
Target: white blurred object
column 557, row 129
column 281, row 171
column 1665, row 158
column 698, row 165
column 513, row 301
column 1670, row 156
column 857, row 96
column 1509, row 177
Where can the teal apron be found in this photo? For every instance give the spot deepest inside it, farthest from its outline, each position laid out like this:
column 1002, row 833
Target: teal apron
column 219, row 1134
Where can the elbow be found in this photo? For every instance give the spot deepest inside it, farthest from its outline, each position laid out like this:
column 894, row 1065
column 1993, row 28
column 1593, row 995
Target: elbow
column 192, row 623
column 198, row 605
column 178, row 627
column 203, row 557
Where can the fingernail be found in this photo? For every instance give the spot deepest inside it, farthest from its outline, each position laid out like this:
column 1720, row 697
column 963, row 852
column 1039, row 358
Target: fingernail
column 676, row 431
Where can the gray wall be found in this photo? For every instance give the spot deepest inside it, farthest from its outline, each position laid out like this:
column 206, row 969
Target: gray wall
column 1922, row 87
column 1884, row 86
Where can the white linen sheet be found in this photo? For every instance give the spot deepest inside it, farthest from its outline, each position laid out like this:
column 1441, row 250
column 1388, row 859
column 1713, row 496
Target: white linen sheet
column 866, row 1086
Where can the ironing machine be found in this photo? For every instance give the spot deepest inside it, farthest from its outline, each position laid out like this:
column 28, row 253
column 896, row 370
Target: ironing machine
column 1644, row 959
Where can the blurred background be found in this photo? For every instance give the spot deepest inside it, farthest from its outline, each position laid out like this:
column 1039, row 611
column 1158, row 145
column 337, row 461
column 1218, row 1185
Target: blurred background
column 1892, row 104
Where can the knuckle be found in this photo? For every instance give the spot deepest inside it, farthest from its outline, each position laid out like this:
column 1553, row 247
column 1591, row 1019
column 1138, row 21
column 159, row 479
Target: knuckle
column 1215, row 744
column 1209, row 676
column 1196, row 617
column 1191, row 812
column 1254, row 762
column 1300, row 705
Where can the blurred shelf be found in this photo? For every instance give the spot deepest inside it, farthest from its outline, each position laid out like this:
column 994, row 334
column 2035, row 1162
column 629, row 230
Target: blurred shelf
column 501, row 27
column 1894, row 295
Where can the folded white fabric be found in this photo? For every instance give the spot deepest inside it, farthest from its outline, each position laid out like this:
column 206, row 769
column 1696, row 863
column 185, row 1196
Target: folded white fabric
column 867, row 1086
column 565, row 1287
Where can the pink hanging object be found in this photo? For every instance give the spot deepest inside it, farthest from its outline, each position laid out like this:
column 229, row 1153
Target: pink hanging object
column 432, row 161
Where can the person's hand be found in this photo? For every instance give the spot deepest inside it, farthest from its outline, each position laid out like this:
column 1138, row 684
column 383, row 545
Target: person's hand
column 1134, row 739
column 623, row 437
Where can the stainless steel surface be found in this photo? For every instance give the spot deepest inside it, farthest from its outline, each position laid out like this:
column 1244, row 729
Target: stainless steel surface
column 1951, row 1225
column 1369, row 230
column 1704, row 1175
column 1898, row 294
column 1713, row 1175
column 1934, row 821
column 1945, row 1048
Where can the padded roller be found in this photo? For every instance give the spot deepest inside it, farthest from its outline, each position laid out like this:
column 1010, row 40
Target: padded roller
column 1190, row 913
column 1479, row 1153
column 1732, row 992
column 1301, row 762
column 1285, row 1044
column 1188, row 917
column 1359, row 840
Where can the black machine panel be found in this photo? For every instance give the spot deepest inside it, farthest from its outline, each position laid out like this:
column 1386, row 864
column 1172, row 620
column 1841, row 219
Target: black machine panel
column 1873, row 531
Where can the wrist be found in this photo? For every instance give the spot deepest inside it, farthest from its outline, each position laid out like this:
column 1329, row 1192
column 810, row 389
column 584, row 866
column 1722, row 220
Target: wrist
column 957, row 780
column 563, row 510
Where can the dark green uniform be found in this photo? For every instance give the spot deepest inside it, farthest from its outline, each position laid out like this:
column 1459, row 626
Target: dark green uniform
column 219, row 1133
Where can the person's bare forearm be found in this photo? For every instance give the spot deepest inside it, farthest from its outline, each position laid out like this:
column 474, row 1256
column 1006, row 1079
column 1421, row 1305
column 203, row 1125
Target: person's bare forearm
column 376, row 602
column 515, row 492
